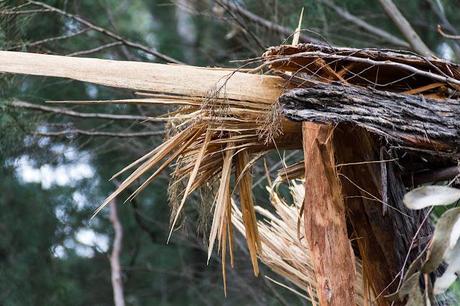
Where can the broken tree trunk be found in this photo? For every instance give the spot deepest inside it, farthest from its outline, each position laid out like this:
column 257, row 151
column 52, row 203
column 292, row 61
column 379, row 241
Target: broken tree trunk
column 354, row 194
column 374, row 202
column 375, row 211
column 216, row 83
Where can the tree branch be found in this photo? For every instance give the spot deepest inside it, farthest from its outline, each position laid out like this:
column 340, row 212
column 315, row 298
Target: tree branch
column 24, row 12
column 434, row 176
column 406, row 29
column 269, row 25
column 388, row 37
column 106, row 32
column 441, row 31
column 50, row 39
column 117, row 282
column 71, row 113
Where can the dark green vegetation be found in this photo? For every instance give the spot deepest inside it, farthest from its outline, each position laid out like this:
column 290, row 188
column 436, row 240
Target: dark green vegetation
column 43, row 258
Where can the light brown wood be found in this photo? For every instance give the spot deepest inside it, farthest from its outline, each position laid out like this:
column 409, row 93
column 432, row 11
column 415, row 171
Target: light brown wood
column 325, row 222
column 173, row 79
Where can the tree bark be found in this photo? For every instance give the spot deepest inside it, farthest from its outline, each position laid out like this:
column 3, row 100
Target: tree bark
column 410, row 120
column 325, row 223
column 381, row 239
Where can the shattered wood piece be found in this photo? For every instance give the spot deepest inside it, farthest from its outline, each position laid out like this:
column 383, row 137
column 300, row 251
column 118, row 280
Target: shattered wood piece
column 171, row 79
column 411, row 120
column 325, row 223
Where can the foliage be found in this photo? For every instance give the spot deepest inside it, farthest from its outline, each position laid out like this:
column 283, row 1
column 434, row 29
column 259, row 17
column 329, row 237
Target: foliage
column 444, row 247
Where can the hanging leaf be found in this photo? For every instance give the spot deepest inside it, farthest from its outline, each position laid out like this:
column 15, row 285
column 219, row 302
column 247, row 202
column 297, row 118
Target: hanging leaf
column 445, row 246
column 441, row 239
column 452, row 258
column 425, row 196
column 454, row 234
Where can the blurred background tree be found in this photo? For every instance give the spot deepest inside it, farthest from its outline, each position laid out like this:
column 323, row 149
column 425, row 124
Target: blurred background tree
column 55, row 165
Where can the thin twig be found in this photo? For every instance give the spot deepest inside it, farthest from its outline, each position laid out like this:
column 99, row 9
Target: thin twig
column 269, row 25
column 50, row 39
column 386, row 36
column 71, row 113
column 75, row 132
column 440, row 31
column 412, row 244
column 431, row 75
column 97, row 49
column 24, row 12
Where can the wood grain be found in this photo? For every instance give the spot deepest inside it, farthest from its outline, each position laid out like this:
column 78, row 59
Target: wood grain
column 173, row 79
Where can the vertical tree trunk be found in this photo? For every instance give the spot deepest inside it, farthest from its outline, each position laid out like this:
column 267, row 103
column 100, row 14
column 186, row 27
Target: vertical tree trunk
column 325, row 222
column 117, row 283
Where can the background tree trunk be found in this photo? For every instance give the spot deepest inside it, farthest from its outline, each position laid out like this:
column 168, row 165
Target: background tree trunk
column 117, row 281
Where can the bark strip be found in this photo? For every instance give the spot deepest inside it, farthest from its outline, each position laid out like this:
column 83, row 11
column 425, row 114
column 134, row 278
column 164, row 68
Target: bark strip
column 410, row 120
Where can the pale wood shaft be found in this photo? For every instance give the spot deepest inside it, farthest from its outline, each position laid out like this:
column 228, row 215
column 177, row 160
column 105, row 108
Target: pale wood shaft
column 173, row 79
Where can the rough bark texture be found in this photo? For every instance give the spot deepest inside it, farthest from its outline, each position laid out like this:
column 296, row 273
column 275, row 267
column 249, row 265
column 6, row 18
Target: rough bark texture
column 325, row 223
column 411, row 120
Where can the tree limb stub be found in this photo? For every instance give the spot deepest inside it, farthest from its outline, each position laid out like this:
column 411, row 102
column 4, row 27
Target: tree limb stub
column 410, row 120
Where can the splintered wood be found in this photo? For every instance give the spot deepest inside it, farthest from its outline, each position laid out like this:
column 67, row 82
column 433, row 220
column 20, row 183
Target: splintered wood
column 408, row 99
column 325, row 221
column 384, row 70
